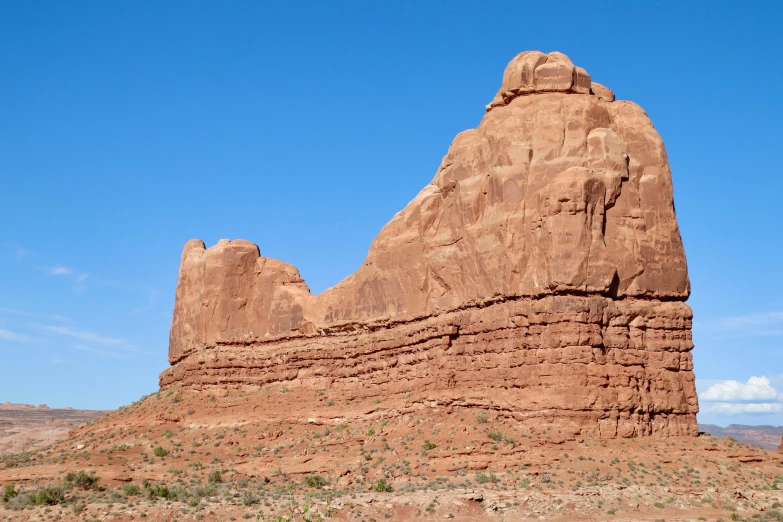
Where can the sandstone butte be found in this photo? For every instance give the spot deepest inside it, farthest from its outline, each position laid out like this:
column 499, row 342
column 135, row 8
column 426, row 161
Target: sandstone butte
column 540, row 275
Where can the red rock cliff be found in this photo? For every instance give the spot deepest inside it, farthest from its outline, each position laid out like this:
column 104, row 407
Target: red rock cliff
column 540, row 273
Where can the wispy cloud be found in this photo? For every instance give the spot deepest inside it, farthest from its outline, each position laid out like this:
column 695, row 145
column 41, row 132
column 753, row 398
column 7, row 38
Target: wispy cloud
column 83, row 279
column 78, row 277
column 102, row 353
column 7, row 335
column 729, row 408
column 82, row 335
column 15, row 252
column 152, row 298
column 21, row 252
column 53, row 317
column 759, row 324
column 90, row 338
column 57, row 270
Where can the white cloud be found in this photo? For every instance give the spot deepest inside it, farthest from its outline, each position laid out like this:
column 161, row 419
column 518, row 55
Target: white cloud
column 102, row 353
column 58, row 270
column 738, row 408
column 82, row 335
column 760, row 324
column 21, row 252
column 63, row 271
column 152, row 298
column 756, row 389
column 744, row 321
column 14, row 251
column 8, row 335
column 14, row 311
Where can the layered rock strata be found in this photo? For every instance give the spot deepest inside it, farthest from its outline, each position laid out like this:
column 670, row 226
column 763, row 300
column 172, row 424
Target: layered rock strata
column 541, row 273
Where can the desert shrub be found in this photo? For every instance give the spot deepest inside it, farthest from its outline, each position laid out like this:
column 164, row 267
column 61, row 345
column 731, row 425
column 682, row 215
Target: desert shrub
column 9, row 492
column 315, row 481
column 131, row 489
column 49, row 496
column 205, row 491
column 82, row 480
column 22, row 501
column 482, row 417
column 428, row 445
column 382, row 486
column 153, row 491
column 215, row 477
column 495, row 435
column 179, row 493
column 160, row 452
column 483, row 478
column 249, row 499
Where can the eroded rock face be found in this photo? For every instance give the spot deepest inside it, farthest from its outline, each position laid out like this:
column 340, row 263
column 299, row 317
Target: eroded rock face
column 541, row 268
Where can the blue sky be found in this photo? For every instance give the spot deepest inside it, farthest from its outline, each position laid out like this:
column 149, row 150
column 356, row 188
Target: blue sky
column 129, row 128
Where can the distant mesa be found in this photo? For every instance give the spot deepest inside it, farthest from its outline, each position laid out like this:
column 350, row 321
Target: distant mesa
column 540, row 274
column 766, row 437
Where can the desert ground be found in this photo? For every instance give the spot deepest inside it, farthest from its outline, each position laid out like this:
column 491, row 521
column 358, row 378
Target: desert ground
column 279, row 454
column 26, row 428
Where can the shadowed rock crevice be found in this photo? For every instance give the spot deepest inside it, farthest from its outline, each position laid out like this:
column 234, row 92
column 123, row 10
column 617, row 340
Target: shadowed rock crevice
column 547, row 239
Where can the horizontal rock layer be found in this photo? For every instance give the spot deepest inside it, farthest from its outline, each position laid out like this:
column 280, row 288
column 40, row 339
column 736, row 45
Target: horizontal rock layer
column 586, row 364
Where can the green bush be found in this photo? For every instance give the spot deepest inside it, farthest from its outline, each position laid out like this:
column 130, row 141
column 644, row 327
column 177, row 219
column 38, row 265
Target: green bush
column 205, row 491
column 8, row 492
column 82, row 480
column 131, row 489
column 249, row 499
column 50, row 496
column 483, row 478
column 381, row 486
column 495, row 435
column 160, row 452
column 215, row 477
column 315, row 481
column 428, row 445
column 153, row 491
column 482, row 417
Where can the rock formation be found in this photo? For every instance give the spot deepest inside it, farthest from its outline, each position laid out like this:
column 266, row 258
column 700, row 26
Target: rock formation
column 540, row 274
